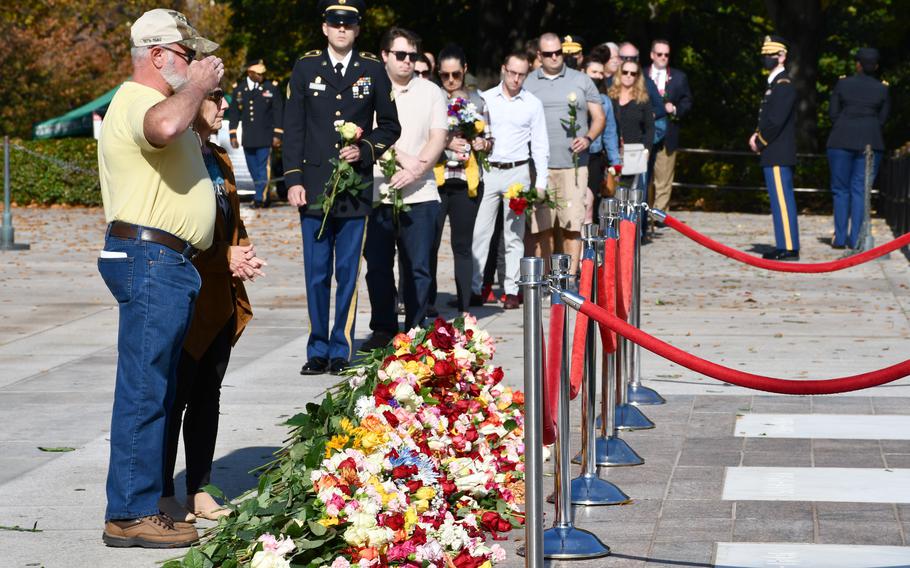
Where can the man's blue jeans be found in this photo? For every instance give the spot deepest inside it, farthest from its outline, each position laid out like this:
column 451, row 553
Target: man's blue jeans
column 257, row 162
column 848, row 177
column 155, row 288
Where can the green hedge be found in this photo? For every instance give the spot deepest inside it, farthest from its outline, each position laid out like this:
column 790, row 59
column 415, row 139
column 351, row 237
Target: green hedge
column 47, row 172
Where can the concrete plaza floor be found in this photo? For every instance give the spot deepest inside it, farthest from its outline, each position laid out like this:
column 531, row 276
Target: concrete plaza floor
column 58, row 330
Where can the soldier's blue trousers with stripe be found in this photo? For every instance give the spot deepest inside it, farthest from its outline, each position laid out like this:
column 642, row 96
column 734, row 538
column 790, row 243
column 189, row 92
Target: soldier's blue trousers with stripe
column 779, row 180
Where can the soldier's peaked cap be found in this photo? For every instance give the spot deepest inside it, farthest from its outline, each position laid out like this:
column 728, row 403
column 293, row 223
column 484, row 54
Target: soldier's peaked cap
column 348, row 12
column 772, row 45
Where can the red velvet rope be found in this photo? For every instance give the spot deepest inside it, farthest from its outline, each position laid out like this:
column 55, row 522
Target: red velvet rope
column 624, row 268
column 748, row 380
column 783, row 266
column 579, row 338
column 606, row 294
column 551, row 372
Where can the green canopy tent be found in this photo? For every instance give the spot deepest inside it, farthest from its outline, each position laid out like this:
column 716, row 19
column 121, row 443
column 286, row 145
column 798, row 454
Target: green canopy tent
column 77, row 122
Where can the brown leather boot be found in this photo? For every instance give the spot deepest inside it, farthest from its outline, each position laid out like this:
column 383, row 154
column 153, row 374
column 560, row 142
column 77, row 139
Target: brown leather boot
column 155, row 531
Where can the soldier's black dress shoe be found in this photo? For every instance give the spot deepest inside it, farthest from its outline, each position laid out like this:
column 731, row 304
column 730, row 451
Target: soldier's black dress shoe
column 339, row 365
column 781, row 254
column 315, row 366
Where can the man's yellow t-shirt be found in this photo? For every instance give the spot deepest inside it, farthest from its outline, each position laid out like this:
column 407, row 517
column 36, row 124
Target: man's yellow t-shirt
column 166, row 188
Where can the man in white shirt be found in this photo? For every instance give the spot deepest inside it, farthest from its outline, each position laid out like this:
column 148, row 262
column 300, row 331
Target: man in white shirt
column 422, row 113
column 516, row 119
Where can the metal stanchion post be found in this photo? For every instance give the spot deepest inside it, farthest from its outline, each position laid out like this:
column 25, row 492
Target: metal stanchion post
column 532, row 284
column 564, row 540
column 866, row 241
column 638, row 394
column 587, row 488
column 628, row 417
column 7, row 233
column 609, row 449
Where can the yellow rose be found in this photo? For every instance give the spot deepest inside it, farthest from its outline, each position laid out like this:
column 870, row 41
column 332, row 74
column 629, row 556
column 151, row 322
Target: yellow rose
column 426, row 493
column 348, row 130
column 329, row 522
column 479, row 125
column 514, row 190
column 421, row 505
column 371, row 440
column 410, row 519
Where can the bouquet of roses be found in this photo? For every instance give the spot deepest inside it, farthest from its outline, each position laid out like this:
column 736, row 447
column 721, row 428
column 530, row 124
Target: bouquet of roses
column 464, row 120
column 395, row 196
column 521, row 197
column 344, row 178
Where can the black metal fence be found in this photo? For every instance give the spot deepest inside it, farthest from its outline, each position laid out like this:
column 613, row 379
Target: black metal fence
column 894, row 193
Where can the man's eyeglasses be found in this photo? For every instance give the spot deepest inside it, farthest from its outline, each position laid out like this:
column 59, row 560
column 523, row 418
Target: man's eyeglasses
column 547, row 54
column 424, row 74
column 216, row 95
column 515, row 74
column 630, row 73
column 189, row 55
column 454, row 75
column 629, row 57
column 402, row 55
column 664, row 54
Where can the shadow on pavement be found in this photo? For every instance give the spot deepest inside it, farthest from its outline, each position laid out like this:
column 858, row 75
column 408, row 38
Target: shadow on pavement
column 231, row 473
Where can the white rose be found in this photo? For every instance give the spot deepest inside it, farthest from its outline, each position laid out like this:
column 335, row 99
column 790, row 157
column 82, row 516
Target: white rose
column 269, row 559
column 573, row 97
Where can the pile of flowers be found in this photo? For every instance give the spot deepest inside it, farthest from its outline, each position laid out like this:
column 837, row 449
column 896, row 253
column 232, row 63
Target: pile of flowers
column 413, row 462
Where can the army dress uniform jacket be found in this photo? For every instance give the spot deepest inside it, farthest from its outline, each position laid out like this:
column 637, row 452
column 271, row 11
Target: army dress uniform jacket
column 317, row 98
column 260, row 110
column 859, row 108
column 776, row 130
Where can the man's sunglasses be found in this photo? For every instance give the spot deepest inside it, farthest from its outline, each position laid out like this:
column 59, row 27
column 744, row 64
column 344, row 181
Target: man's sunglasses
column 547, row 54
column 664, row 54
column 402, row 55
column 454, row 75
column 189, row 55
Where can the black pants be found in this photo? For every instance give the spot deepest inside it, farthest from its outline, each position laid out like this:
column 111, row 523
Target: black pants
column 199, row 395
column 461, row 211
column 596, row 166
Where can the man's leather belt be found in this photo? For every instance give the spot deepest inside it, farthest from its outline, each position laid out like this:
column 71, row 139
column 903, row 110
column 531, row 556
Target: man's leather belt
column 508, row 165
column 125, row 230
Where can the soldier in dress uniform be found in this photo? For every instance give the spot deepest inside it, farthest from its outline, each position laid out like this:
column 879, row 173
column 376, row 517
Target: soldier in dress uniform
column 257, row 104
column 775, row 141
column 859, row 108
column 338, row 83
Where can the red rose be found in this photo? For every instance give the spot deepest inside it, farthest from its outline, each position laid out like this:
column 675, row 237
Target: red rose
column 518, row 205
column 403, row 471
column 383, row 394
column 471, row 435
column 414, row 485
column 443, row 368
column 419, row 537
column 447, row 486
column 390, row 418
column 395, row 522
column 497, row 375
column 465, row 560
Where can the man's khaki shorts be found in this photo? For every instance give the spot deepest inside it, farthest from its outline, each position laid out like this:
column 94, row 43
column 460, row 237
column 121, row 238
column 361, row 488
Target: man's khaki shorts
column 570, row 201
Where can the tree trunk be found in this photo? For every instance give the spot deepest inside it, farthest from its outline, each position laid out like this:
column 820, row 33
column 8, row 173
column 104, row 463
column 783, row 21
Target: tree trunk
column 800, row 23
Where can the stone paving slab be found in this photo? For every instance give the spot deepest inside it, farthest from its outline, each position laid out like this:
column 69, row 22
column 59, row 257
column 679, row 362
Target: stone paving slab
column 57, row 358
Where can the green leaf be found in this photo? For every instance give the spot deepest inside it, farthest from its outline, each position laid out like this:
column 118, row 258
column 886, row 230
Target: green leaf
column 195, row 559
column 59, row 449
column 510, row 425
column 305, row 544
column 317, row 528
column 214, row 492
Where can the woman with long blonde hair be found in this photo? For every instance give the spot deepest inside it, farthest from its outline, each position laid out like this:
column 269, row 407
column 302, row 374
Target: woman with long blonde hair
column 631, row 106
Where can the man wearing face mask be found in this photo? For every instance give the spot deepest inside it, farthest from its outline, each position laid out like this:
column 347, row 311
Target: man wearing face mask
column 775, row 141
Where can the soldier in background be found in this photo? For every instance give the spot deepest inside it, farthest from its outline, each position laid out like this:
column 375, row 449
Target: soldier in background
column 859, row 108
column 258, row 105
column 775, row 140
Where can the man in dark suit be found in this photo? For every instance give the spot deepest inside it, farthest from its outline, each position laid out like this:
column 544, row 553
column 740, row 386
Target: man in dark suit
column 257, row 105
column 859, row 108
column 339, row 83
column 673, row 86
column 775, row 140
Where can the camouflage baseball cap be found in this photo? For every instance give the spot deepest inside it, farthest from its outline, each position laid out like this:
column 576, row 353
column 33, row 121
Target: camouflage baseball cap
column 162, row 26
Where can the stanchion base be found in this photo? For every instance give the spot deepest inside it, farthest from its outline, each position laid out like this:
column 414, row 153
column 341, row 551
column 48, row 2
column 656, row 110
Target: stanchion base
column 613, row 452
column 14, row 246
column 629, row 417
column 571, row 543
column 640, row 395
column 593, row 491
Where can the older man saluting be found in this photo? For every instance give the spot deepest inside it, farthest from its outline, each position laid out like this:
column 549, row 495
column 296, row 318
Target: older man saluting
column 160, row 207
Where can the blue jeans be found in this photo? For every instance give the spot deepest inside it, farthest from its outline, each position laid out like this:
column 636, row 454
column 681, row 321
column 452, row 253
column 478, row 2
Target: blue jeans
column 416, row 234
column 257, row 161
column 155, row 289
column 779, row 180
column 342, row 245
column 848, row 173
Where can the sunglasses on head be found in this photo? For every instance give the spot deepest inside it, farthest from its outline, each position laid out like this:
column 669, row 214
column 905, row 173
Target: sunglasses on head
column 629, row 57
column 546, row 54
column 454, row 75
column 402, row 55
column 630, row 73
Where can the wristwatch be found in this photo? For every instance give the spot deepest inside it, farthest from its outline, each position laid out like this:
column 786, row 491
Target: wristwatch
column 588, row 138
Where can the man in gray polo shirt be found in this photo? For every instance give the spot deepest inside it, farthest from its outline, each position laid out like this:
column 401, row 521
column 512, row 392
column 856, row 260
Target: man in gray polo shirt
column 560, row 88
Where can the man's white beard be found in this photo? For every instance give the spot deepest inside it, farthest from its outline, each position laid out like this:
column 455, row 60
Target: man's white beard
column 174, row 79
